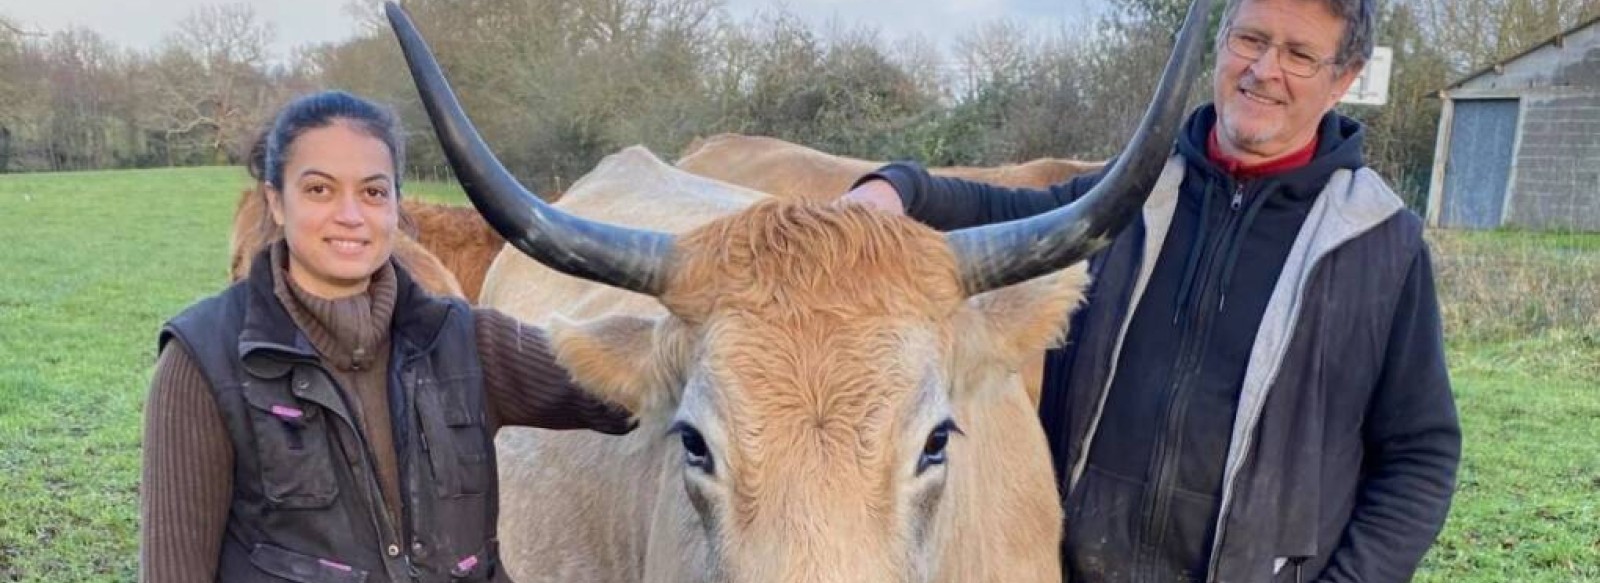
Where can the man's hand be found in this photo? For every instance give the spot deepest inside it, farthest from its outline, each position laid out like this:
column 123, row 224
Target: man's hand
column 877, row 194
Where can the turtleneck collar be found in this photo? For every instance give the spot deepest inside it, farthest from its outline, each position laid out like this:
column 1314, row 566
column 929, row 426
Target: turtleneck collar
column 348, row 332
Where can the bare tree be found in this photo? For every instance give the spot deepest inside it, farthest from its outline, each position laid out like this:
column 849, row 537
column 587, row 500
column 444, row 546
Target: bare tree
column 922, row 60
column 82, row 67
column 1474, row 33
column 21, row 91
column 211, row 83
column 12, row 30
column 996, row 53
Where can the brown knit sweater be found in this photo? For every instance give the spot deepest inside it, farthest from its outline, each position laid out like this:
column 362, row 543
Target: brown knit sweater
column 188, row 457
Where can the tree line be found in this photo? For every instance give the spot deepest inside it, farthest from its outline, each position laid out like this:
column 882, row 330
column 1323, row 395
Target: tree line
column 557, row 84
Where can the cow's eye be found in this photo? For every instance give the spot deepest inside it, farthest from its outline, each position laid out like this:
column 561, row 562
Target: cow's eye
column 933, row 451
column 695, row 452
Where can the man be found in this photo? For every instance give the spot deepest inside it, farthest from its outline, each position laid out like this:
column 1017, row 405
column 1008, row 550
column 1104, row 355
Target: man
column 1256, row 390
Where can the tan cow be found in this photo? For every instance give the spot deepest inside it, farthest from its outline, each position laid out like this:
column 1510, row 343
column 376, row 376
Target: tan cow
column 815, row 402
column 826, row 394
column 791, row 170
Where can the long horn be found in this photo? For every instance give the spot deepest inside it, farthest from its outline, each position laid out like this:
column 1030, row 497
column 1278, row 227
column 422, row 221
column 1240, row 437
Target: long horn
column 998, row 255
column 631, row 259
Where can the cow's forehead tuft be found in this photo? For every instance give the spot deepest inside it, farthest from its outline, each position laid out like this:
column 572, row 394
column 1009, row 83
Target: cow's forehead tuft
column 789, row 258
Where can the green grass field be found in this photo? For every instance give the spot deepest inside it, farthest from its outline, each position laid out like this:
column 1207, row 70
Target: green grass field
column 92, row 263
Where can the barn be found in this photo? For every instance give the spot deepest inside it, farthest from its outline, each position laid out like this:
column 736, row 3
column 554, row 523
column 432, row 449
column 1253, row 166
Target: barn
column 1519, row 140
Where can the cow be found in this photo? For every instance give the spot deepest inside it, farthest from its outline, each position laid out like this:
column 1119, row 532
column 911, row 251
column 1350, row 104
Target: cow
column 791, row 170
column 825, row 393
column 999, row 495
column 447, row 249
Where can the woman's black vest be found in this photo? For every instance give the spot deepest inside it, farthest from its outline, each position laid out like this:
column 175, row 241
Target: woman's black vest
column 306, row 502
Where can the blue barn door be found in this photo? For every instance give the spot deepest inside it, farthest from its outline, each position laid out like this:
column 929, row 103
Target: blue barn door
column 1482, row 135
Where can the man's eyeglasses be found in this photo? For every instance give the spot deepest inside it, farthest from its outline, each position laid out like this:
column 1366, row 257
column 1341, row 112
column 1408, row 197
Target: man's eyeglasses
column 1292, row 59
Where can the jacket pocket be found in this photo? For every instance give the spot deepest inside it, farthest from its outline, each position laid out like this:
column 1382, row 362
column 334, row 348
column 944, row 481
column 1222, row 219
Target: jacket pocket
column 455, row 441
column 292, row 448
column 294, row 566
column 1101, row 512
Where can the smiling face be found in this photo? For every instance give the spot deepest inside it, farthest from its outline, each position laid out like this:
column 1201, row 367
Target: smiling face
column 1264, row 112
column 337, row 208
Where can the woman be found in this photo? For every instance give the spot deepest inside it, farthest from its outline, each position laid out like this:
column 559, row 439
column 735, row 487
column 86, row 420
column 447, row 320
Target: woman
column 325, row 419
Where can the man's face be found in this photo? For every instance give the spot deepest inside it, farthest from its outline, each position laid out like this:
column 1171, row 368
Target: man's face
column 1264, row 111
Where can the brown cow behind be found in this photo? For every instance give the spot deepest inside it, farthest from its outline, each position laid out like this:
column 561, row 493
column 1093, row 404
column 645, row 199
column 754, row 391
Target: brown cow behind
column 791, row 170
column 458, row 237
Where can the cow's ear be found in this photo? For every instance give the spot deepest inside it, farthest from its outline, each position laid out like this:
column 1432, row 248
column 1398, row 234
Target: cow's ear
column 1006, row 331
column 629, row 360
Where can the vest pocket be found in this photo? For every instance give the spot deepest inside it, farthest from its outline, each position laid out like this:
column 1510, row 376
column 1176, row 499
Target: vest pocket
column 454, row 440
column 294, row 566
column 292, row 448
column 479, row 566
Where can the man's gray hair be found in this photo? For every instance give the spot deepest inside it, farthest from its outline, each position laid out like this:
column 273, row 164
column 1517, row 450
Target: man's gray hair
column 1355, row 47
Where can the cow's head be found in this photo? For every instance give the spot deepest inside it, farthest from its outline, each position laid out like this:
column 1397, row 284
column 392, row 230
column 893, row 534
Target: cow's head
column 817, row 368
column 818, row 362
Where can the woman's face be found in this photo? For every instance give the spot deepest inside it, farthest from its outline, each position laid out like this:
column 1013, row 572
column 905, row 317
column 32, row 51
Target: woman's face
column 338, row 209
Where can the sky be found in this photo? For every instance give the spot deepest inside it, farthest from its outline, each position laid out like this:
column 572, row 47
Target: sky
column 142, row 24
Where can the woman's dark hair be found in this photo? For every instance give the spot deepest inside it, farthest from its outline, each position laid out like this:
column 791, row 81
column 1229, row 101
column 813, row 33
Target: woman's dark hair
column 320, row 110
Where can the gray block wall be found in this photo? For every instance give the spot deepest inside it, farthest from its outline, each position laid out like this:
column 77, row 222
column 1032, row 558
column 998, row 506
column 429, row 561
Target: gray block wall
column 1557, row 177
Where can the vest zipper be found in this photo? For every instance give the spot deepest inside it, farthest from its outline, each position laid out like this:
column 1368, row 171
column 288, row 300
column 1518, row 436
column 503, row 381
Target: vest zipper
column 383, row 523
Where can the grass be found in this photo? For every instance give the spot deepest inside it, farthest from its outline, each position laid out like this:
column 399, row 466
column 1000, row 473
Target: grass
column 1527, row 506
column 92, row 263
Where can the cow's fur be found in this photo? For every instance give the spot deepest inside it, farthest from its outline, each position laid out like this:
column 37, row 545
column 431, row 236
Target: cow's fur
column 794, row 171
column 458, row 237
column 814, row 347
column 459, row 233
column 790, row 170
